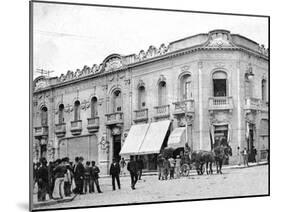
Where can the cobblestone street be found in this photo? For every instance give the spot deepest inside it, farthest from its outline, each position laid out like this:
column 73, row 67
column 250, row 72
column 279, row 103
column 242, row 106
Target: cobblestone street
column 233, row 182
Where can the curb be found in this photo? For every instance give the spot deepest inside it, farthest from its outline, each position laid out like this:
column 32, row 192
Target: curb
column 53, row 202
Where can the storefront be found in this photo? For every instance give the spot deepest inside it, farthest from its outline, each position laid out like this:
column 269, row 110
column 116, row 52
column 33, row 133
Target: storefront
column 146, row 141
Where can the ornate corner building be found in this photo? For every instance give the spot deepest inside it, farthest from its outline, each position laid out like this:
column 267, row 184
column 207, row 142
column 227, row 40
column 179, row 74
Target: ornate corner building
column 213, row 85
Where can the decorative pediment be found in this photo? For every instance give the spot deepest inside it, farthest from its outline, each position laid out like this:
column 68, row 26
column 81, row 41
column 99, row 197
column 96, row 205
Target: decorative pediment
column 41, row 83
column 113, row 64
column 219, row 38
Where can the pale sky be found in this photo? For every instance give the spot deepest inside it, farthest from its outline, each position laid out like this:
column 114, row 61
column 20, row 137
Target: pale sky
column 67, row 37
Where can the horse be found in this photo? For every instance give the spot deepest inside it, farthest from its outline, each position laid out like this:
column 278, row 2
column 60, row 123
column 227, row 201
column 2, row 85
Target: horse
column 222, row 153
column 217, row 156
column 198, row 158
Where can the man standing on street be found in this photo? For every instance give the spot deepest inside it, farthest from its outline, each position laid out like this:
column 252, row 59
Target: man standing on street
column 79, row 175
column 95, row 177
column 245, row 157
column 133, row 169
column 160, row 167
column 115, row 172
column 140, row 167
column 87, row 178
column 42, row 180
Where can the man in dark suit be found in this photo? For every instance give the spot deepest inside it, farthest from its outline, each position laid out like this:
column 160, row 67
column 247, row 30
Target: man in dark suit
column 79, row 175
column 133, row 169
column 42, row 180
column 140, row 167
column 95, row 177
column 115, row 172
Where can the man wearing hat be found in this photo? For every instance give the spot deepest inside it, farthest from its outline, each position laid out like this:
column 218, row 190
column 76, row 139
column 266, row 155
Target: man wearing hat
column 115, row 172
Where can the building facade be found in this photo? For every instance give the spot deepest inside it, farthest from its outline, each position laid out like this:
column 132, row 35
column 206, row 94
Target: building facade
column 214, row 85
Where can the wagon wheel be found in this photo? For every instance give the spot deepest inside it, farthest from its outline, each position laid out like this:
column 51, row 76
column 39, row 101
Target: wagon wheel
column 185, row 169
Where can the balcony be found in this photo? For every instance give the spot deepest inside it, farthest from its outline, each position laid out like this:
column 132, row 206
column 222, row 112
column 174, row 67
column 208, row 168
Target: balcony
column 254, row 104
column 162, row 111
column 93, row 124
column 60, row 130
column 184, row 106
column 114, row 118
column 221, row 103
column 141, row 115
column 76, row 127
column 40, row 132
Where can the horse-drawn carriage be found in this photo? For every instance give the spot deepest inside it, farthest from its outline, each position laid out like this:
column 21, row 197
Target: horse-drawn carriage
column 202, row 160
column 187, row 164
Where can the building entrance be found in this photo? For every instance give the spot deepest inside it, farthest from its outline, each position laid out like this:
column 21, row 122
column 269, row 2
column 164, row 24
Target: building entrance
column 250, row 143
column 43, row 150
column 116, row 147
column 220, row 136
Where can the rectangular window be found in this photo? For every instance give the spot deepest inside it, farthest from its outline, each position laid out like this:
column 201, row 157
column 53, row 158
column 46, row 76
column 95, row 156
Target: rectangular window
column 219, row 87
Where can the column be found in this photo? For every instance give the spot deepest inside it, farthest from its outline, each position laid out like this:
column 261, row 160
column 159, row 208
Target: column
column 238, row 106
column 200, row 66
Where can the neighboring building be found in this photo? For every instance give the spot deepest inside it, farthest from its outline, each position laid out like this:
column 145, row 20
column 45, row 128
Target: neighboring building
column 216, row 83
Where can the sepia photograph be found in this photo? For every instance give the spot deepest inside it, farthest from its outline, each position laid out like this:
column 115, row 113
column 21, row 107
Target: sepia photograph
column 133, row 105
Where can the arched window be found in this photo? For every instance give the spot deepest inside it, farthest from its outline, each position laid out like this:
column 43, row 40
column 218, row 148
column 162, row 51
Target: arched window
column 185, row 87
column 117, row 101
column 162, row 93
column 141, row 97
column 61, row 114
column 44, row 116
column 219, row 84
column 76, row 110
column 263, row 90
column 94, row 107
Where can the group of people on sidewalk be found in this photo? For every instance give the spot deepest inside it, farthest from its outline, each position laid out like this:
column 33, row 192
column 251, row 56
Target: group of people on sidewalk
column 246, row 156
column 61, row 178
column 168, row 168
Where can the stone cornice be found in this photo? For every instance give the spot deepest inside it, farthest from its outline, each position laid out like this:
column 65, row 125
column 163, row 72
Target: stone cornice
column 216, row 40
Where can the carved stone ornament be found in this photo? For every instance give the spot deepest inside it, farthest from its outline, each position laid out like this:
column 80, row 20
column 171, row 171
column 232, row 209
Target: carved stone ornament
column 116, row 131
column 67, row 108
column 219, row 38
column 113, row 64
column 142, row 55
column 162, row 78
column 104, row 144
column 185, row 68
column 151, row 52
column 85, row 105
column 141, row 84
column 42, row 83
column 219, row 65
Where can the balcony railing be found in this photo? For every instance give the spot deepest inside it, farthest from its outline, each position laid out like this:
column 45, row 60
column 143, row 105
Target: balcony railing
column 60, row 130
column 114, row 118
column 141, row 115
column 181, row 107
column 162, row 111
column 93, row 124
column 41, row 131
column 76, row 127
column 221, row 103
column 255, row 104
